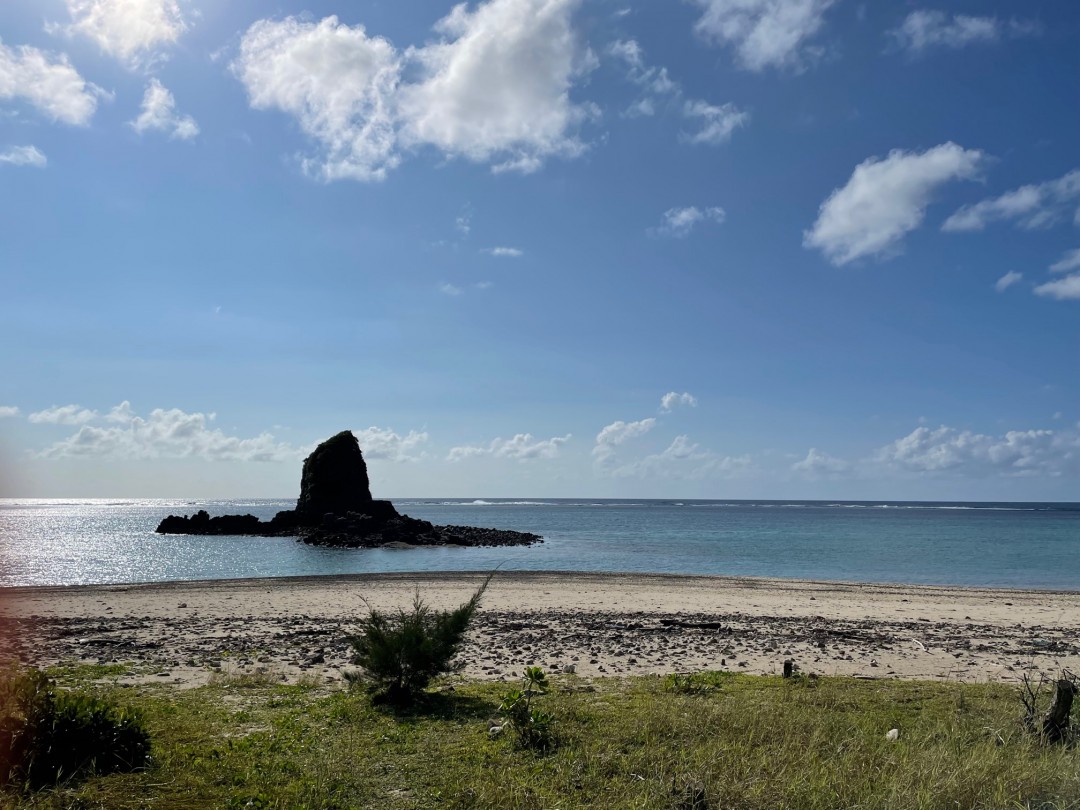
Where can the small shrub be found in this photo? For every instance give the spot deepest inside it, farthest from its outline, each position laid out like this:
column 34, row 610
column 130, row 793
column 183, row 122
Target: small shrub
column 48, row 735
column 694, row 683
column 532, row 727
column 400, row 655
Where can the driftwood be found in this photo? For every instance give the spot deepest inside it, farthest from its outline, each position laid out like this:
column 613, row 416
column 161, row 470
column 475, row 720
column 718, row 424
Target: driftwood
column 1054, row 724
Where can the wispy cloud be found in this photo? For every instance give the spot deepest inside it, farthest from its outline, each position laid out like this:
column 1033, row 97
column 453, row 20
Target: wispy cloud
column 679, row 222
column 522, row 447
column 1007, row 280
column 924, row 29
column 504, row 252
column 764, row 33
column 1031, row 207
column 158, row 112
column 24, row 156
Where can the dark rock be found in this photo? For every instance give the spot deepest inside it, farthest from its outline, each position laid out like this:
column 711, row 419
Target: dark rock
column 336, row 509
column 334, row 479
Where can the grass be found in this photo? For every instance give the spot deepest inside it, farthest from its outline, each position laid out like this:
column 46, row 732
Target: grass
column 729, row 741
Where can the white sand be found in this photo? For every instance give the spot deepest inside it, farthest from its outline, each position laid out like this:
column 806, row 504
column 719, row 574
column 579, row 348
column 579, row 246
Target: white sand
column 600, row 624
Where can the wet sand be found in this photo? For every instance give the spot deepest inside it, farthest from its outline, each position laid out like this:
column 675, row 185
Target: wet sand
column 593, row 624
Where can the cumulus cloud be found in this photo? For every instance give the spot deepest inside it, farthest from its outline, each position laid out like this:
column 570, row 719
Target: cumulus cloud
column 885, row 199
column 1007, row 280
column 522, row 447
column 671, row 400
column 1031, row 206
column 129, row 30
column 679, row 222
column 717, row 122
column 63, row 415
column 384, row 443
column 336, row 81
column 494, row 88
column 1016, row 453
column 684, row 459
column 651, row 79
column 48, row 83
column 158, row 112
column 8, row 411
column 818, row 464
column 1063, row 289
column 24, row 156
column 618, row 432
column 505, row 252
column 164, row 433
column 764, row 33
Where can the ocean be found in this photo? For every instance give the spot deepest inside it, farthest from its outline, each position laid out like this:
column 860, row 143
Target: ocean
column 1021, row 545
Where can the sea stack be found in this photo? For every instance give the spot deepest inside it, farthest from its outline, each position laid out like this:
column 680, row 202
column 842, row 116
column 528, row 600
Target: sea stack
column 334, row 479
column 335, row 508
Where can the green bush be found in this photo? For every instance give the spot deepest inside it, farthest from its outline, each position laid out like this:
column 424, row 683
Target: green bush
column 401, row 654
column 532, row 727
column 49, row 735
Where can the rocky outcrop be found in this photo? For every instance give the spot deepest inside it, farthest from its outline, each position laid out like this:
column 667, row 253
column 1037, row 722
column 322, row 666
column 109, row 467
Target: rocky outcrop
column 334, row 479
column 335, row 508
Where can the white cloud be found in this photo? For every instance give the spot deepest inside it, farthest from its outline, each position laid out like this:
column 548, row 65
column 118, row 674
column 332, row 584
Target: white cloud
column 384, row 443
column 885, row 199
column 1070, row 261
column 129, row 30
column 718, row 122
column 1030, row 206
column 463, row 224
column 678, row 222
column 494, row 89
column 337, row 82
column 504, row 252
column 925, row 28
column 1063, row 289
column 8, row 411
column 522, row 447
column 818, row 464
column 165, row 434
column 1016, row 453
column 672, row 399
column 764, row 33
column 158, row 112
column 651, row 79
column 684, row 459
column 618, row 432
column 1007, row 280
column 24, row 156
column 63, row 415
column 449, row 289
column 48, row 83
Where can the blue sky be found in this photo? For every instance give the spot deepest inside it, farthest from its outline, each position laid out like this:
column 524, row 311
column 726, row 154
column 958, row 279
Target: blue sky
column 713, row 248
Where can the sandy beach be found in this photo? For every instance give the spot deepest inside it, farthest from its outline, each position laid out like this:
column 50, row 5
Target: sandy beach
column 593, row 624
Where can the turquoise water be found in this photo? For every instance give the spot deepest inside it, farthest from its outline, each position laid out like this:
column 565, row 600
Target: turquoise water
column 54, row 542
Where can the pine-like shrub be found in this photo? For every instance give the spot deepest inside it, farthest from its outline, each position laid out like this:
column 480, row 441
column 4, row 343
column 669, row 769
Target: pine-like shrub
column 400, row 654
column 48, row 735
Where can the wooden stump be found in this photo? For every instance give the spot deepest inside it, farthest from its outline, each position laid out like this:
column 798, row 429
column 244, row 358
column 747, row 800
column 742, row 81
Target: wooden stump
column 1055, row 723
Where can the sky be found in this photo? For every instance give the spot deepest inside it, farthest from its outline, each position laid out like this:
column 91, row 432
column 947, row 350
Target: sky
column 577, row 248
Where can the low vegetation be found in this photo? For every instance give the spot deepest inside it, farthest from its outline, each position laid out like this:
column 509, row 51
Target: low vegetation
column 399, row 655
column 50, row 736
column 743, row 742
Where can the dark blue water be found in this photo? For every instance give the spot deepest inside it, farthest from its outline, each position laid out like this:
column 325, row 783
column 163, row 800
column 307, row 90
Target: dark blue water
column 1025, row 545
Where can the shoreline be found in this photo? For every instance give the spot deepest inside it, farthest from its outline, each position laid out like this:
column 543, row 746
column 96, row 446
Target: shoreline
column 747, row 580
column 595, row 624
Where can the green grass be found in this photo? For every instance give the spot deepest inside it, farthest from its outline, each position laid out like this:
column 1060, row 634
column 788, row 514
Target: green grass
column 742, row 742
